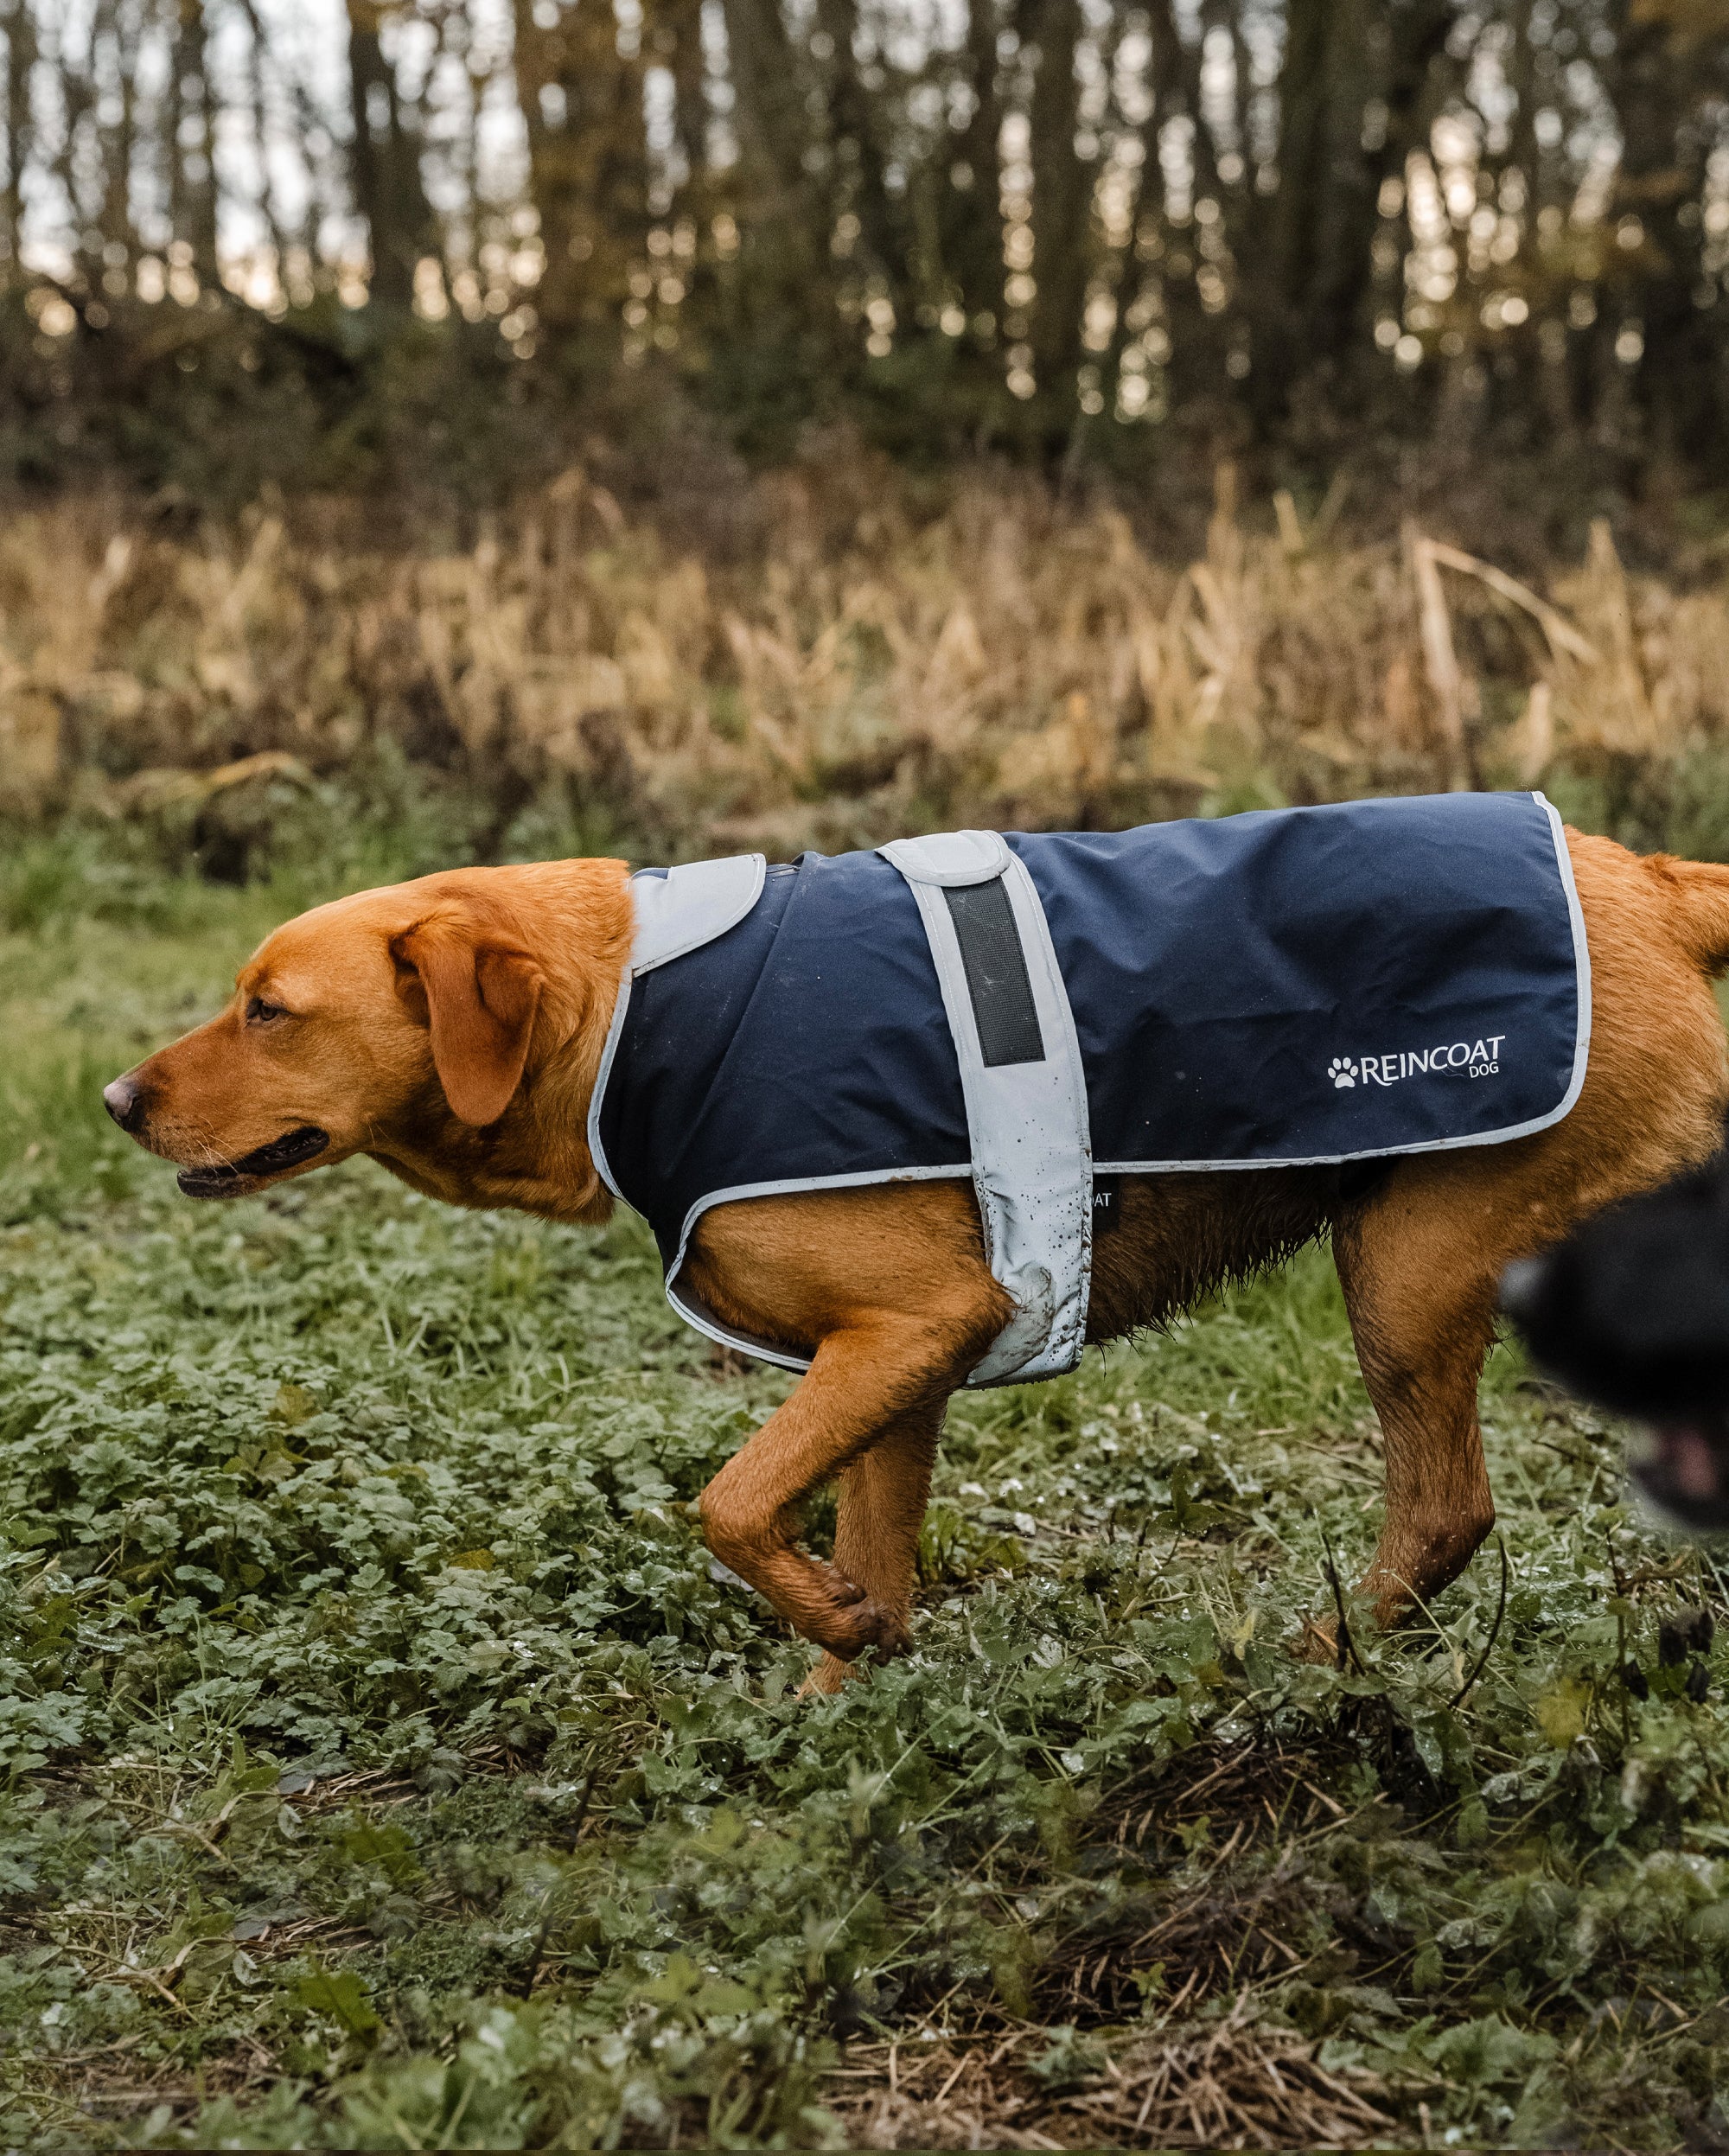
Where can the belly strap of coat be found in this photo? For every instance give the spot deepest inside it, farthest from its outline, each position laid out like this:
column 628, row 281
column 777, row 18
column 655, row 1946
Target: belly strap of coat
column 1023, row 1087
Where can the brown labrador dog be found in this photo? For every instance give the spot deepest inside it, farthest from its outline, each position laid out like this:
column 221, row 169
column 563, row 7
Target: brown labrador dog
column 451, row 1029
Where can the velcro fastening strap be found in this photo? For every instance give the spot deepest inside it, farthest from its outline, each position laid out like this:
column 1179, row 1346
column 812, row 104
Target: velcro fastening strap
column 996, row 969
column 946, row 857
column 680, row 909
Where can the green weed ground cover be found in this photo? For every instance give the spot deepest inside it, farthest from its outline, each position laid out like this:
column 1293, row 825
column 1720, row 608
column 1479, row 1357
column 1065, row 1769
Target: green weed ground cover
column 386, row 1765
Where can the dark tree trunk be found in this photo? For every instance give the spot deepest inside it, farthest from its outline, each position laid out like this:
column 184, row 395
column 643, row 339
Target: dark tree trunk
column 20, row 49
column 119, row 140
column 1196, row 337
column 678, row 41
column 1310, row 280
column 385, row 163
column 1061, row 203
column 785, row 211
column 588, row 159
column 192, row 195
column 1661, row 84
column 261, row 117
column 972, row 221
column 856, row 180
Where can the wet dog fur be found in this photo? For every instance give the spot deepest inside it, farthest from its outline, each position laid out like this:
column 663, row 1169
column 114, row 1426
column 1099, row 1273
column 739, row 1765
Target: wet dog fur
column 451, row 1029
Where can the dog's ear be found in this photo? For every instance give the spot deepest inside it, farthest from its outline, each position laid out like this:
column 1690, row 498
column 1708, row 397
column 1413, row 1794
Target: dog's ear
column 480, row 991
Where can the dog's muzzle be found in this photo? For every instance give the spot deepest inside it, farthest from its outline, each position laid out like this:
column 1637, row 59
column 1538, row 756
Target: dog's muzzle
column 1680, row 1462
column 1684, row 1471
column 234, row 1178
column 1522, row 1288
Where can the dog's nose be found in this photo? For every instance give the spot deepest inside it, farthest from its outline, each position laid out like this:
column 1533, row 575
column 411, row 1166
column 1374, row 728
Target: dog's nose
column 124, row 1101
column 1521, row 1285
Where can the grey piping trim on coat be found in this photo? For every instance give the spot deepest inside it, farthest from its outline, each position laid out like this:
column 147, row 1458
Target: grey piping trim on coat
column 597, row 1151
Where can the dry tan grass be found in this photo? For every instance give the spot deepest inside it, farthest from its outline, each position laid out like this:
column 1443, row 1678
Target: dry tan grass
column 1233, row 2083
column 1009, row 662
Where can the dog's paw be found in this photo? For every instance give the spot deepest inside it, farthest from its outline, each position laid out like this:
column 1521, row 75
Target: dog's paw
column 1343, row 1072
column 855, row 1622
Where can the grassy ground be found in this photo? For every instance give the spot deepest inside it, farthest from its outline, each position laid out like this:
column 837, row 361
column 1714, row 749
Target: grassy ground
column 386, row 1765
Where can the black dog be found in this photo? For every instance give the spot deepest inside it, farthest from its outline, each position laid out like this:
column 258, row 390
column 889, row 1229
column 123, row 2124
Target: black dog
column 1632, row 1311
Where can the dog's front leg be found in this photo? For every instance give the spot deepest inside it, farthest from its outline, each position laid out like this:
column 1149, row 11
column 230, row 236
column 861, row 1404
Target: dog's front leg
column 869, row 1409
column 883, row 1497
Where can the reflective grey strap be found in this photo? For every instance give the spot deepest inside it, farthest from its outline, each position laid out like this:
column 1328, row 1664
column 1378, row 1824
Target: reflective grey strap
column 1024, row 1088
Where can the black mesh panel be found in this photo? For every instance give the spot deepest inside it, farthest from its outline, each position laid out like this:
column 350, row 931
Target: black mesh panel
column 996, row 973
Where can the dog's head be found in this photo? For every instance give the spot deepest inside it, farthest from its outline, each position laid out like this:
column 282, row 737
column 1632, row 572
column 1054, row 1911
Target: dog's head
column 398, row 1022
column 1632, row 1311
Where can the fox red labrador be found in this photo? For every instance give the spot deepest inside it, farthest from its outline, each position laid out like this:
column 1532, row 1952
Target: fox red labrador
column 452, row 1029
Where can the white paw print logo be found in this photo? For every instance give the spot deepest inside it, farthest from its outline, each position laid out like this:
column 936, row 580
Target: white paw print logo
column 1342, row 1071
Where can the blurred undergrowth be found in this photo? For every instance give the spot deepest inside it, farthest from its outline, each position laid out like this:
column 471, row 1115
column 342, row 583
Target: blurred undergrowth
column 310, row 693
column 386, row 1765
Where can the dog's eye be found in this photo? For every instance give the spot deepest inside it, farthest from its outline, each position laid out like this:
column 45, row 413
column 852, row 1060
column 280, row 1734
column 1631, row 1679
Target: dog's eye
column 259, row 1012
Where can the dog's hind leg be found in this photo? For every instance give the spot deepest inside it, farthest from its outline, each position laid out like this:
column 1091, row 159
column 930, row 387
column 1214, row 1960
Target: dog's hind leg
column 1419, row 1272
column 883, row 1497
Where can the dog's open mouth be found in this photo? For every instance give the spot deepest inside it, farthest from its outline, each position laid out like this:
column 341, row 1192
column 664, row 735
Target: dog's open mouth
column 1685, row 1472
column 237, row 1178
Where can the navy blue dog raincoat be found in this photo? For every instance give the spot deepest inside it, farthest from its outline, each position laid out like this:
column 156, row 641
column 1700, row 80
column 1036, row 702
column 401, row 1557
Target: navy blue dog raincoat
column 1291, row 987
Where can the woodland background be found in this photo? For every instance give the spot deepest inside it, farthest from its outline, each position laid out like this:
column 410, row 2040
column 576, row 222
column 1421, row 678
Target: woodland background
column 483, row 430
column 487, row 430
column 441, row 240
column 706, row 419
